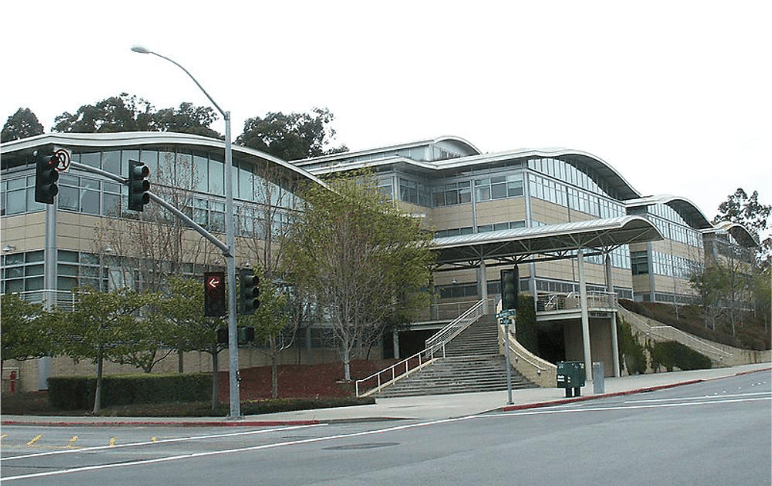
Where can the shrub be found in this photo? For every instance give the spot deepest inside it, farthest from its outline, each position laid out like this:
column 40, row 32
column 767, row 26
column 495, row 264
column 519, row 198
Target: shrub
column 77, row 392
column 672, row 354
column 630, row 350
column 526, row 330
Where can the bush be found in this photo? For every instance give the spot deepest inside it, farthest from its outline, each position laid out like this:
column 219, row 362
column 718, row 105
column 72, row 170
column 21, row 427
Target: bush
column 672, row 354
column 526, row 330
column 77, row 392
column 630, row 350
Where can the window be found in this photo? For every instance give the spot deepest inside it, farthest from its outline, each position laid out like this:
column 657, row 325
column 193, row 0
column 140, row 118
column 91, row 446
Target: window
column 639, row 263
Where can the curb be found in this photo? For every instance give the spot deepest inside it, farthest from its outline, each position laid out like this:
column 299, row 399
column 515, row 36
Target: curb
column 510, row 408
column 170, row 423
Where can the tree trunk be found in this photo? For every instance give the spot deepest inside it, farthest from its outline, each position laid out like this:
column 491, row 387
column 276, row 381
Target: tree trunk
column 274, row 367
column 98, row 391
column 347, row 365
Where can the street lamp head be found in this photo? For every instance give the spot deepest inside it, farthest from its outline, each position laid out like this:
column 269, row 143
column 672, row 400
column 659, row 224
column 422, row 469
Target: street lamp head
column 140, row 49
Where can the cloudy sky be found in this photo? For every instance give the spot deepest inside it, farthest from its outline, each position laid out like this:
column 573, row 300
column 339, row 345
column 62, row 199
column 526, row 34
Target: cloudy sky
column 676, row 95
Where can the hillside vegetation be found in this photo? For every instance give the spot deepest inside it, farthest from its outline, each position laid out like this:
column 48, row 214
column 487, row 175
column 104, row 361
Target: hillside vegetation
column 752, row 332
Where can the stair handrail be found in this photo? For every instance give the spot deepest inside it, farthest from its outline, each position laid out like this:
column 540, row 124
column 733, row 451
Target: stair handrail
column 394, row 376
column 437, row 341
column 454, row 328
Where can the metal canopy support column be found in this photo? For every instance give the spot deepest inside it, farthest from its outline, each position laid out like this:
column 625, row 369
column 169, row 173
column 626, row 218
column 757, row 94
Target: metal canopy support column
column 482, row 281
column 614, row 337
column 585, row 315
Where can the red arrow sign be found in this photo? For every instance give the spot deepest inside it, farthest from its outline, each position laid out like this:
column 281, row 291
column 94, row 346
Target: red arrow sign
column 213, row 282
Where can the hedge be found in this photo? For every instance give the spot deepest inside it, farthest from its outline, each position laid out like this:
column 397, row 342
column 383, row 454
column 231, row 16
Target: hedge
column 672, row 354
column 77, row 392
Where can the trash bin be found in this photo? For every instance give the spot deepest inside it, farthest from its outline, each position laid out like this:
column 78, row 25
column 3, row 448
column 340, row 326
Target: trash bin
column 571, row 375
column 598, row 379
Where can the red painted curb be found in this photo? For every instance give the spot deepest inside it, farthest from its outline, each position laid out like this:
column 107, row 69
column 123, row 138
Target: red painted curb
column 244, row 423
column 564, row 401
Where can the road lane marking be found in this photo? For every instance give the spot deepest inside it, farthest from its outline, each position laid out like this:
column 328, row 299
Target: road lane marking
column 705, row 397
column 34, row 440
column 194, row 455
column 162, row 441
column 112, row 442
column 71, row 445
column 720, row 401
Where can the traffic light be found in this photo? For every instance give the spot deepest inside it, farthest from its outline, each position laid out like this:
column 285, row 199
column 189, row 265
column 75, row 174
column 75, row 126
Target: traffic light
column 250, row 291
column 510, row 285
column 214, row 294
column 138, row 185
column 46, row 176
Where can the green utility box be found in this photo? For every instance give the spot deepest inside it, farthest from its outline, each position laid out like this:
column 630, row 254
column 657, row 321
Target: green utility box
column 571, row 375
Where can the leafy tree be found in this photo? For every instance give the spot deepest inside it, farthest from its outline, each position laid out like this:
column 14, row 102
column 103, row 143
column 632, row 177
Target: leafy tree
column 103, row 327
column 122, row 113
column 28, row 331
column 273, row 326
column 361, row 259
column 183, row 305
column 291, row 137
column 188, row 118
column 21, row 124
column 746, row 210
column 127, row 113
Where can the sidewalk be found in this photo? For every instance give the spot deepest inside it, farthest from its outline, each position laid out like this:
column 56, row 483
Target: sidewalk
column 436, row 407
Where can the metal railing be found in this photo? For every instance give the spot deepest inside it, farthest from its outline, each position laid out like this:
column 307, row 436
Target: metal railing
column 447, row 333
column 446, row 311
column 397, row 371
column 571, row 301
column 417, row 361
column 63, row 299
column 672, row 333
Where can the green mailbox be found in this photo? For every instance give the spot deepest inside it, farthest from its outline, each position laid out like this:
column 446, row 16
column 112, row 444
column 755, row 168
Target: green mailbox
column 571, row 375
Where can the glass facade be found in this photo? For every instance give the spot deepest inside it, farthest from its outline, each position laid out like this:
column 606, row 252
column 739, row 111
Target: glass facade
column 193, row 181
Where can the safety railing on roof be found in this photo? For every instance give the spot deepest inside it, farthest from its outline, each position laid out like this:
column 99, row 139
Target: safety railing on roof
column 434, row 345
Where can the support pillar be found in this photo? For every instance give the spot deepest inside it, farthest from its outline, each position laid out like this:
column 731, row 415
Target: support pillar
column 482, row 281
column 614, row 337
column 585, row 315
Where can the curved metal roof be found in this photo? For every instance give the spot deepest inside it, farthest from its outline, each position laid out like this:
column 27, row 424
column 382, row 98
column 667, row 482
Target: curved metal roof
column 550, row 242
column 739, row 232
column 689, row 211
column 138, row 139
column 619, row 185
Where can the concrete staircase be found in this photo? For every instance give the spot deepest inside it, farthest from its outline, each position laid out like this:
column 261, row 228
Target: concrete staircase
column 472, row 364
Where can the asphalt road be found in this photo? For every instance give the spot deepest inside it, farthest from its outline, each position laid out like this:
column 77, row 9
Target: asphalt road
column 716, row 432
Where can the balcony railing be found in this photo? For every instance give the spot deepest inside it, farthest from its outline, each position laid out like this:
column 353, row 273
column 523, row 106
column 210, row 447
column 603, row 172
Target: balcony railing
column 596, row 301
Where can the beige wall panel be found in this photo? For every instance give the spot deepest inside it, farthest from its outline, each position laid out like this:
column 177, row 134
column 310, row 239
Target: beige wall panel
column 459, row 216
column 500, row 211
column 547, row 212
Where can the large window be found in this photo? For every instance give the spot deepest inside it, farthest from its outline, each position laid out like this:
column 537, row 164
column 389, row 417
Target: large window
column 452, row 194
column 499, row 187
column 413, row 192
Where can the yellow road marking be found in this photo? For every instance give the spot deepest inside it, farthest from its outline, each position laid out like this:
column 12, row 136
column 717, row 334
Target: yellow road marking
column 32, row 442
column 112, row 442
column 71, row 445
column 3, row 436
column 153, row 439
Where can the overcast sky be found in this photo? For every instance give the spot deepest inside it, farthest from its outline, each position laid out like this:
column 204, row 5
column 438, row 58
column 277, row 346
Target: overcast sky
column 675, row 95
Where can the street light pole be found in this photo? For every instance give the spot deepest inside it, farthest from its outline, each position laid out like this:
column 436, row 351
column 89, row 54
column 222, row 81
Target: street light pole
column 230, row 242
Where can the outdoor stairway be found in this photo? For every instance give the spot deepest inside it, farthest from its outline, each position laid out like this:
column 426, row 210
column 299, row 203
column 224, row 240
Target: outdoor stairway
column 472, row 363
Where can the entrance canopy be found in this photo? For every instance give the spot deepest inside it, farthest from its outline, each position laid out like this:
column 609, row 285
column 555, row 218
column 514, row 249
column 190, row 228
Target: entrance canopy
column 543, row 243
